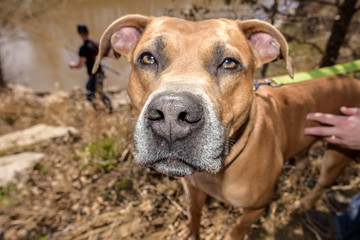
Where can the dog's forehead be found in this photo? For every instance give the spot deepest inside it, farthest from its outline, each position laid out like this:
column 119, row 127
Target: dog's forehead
column 211, row 27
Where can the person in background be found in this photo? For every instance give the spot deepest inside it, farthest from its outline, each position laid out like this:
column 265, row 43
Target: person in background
column 342, row 130
column 87, row 54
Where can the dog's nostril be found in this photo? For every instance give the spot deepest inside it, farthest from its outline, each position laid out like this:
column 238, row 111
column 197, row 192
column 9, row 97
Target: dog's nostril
column 190, row 118
column 155, row 115
column 182, row 116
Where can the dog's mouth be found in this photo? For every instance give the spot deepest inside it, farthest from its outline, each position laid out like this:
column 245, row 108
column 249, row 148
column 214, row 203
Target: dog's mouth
column 174, row 166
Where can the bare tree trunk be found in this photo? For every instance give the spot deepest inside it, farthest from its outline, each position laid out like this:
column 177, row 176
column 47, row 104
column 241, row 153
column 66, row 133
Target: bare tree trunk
column 272, row 13
column 2, row 80
column 338, row 32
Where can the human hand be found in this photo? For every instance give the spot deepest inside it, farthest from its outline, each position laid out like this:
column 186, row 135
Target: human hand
column 343, row 130
column 72, row 64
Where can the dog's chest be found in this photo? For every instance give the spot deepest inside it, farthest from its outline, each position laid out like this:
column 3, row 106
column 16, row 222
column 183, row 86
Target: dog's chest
column 224, row 190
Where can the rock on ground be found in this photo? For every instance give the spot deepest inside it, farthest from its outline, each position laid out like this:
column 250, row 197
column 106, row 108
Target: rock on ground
column 20, row 164
column 34, row 135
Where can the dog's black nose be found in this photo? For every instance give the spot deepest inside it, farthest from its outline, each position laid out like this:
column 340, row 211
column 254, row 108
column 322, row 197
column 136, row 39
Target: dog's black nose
column 175, row 116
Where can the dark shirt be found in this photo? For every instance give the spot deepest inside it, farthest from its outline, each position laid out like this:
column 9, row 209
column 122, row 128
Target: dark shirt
column 89, row 50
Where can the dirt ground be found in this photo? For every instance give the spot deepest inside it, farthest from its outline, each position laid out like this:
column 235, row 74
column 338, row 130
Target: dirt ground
column 89, row 187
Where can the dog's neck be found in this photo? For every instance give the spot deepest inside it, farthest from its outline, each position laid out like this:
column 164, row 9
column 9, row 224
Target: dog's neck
column 239, row 138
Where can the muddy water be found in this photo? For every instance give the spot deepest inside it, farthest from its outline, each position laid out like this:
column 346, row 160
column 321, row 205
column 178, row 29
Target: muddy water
column 42, row 64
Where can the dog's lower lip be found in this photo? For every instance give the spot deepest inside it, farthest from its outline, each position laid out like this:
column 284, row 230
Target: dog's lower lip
column 174, row 166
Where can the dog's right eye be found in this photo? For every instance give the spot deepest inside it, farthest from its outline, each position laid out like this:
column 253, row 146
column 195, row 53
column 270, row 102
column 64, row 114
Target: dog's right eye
column 229, row 64
column 147, row 59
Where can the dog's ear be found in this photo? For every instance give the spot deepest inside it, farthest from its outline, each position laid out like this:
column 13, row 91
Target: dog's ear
column 267, row 43
column 121, row 36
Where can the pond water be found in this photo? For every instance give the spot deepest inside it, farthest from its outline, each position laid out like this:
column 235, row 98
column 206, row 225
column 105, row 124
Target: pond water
column 38, row 54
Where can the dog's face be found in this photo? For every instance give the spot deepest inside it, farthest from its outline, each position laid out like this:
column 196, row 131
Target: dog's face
column 192, row 84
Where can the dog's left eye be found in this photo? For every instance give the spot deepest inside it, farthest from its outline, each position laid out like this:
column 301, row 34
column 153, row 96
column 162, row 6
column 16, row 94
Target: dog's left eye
column 147, row 59
column 229, row 63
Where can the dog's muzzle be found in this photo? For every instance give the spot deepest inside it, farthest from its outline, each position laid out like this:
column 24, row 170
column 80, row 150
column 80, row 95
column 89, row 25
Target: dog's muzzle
column 179, row 133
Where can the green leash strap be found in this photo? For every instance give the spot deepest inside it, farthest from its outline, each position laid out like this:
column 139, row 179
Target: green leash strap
column 321, row 72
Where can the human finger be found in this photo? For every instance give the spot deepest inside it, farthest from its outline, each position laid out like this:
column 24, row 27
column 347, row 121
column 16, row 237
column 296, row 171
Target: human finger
column 325, row 118
column 321, row 131
column 334, row 140
column 350, row 111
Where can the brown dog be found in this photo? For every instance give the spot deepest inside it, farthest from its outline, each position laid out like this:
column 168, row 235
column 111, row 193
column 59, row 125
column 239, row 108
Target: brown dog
column 192, row 83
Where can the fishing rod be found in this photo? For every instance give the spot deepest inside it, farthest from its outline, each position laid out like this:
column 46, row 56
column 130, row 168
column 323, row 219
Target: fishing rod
column 51, row 39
